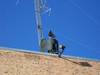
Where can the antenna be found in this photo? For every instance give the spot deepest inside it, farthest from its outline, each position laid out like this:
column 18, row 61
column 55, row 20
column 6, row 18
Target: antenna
column 39, row 9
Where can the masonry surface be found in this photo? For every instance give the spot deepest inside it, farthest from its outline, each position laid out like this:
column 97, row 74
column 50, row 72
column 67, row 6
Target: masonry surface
column 23, row 63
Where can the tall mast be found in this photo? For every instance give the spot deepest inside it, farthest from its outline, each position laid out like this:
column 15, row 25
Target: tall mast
column 40, row 8
column 38, row 11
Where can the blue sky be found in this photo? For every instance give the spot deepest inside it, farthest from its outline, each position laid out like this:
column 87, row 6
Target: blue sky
column 76, row 24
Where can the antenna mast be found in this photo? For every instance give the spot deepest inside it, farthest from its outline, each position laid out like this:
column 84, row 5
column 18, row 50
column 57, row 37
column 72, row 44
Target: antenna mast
column 39, row 9
column 38, row 12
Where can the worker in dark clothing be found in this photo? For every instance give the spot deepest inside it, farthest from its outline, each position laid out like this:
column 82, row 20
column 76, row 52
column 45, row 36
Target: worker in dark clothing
column 53, row 45
column 54, row 48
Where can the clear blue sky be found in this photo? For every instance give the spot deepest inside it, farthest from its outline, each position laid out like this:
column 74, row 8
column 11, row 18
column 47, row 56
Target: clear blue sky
column 76, row 23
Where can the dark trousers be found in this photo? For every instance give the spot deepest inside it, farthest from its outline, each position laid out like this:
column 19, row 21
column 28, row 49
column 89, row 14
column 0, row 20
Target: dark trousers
column 55, row 45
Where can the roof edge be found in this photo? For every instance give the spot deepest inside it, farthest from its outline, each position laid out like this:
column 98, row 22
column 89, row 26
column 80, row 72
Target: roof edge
column 48, row 54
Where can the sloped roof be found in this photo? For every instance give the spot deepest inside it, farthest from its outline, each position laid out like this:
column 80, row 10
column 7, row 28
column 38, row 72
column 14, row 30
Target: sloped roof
column 30, row 63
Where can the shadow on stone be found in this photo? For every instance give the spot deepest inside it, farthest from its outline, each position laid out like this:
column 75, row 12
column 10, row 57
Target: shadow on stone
column 84, row 64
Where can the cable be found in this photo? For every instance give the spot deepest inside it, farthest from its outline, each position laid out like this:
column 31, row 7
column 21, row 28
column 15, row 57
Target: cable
column 84, row 12
column 70, row 39
column 90, row 17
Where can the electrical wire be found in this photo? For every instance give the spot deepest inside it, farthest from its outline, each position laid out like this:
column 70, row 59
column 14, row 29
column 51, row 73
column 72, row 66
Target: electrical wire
column 90, row 17
column 80, row 44
column 84, row 12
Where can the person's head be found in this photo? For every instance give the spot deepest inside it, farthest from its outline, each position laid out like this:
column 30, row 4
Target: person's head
column 51, row 34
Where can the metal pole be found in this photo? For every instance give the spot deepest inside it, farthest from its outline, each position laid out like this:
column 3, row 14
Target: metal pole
column 38, row 7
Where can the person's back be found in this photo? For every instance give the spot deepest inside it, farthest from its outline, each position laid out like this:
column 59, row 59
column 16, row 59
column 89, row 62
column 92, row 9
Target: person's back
column 53, row 43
